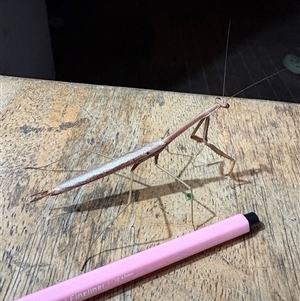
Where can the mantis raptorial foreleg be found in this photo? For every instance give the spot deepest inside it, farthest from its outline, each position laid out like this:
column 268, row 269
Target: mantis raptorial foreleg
column 211, row 146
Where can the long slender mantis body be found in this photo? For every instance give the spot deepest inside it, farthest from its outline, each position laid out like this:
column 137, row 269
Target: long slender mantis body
column 144, row 153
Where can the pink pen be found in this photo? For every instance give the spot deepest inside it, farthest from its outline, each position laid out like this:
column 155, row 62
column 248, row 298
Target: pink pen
column 124, row 270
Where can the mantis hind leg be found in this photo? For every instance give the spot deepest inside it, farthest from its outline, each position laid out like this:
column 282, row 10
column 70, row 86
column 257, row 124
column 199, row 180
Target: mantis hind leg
column 114, row 219
column 211, row 146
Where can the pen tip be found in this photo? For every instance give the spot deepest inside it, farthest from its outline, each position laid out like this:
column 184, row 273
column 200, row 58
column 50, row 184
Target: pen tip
column 252, row 219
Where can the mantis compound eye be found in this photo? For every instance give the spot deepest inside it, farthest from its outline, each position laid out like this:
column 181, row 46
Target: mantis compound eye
column 222, row 103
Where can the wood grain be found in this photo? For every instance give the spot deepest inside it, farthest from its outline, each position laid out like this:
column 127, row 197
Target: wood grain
column 74, row 125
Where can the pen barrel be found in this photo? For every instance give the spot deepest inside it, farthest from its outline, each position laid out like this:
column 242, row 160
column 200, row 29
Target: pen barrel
column 124, row 270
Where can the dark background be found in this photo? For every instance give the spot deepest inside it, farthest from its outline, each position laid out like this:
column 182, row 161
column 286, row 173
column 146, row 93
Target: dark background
column 178, row 45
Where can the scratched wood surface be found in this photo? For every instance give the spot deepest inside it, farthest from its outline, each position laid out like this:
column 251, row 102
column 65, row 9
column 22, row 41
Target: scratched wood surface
column 75, row 125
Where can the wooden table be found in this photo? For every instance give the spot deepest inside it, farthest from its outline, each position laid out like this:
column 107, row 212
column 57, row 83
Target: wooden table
column 75, row 125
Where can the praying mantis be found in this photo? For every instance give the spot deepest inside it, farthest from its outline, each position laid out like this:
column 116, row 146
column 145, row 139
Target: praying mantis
column 150, row 150
column 142, row 154
column 146, row 152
